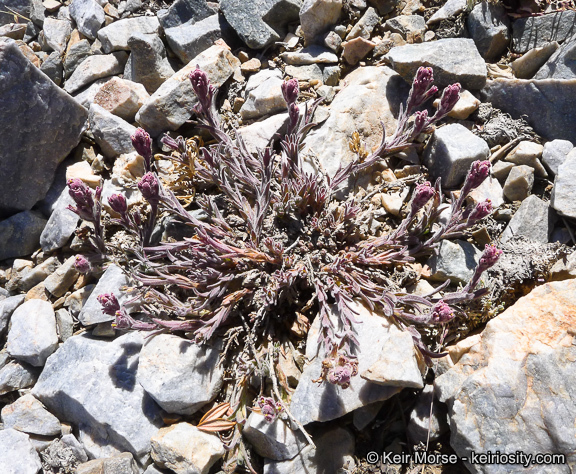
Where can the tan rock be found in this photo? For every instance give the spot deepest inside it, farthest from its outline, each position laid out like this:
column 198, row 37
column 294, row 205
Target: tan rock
column 464, row 107
column 356, row 49
column 515, row 387
column 122, row 97
column 252, row 65
column 185, row 449
column 82, row 170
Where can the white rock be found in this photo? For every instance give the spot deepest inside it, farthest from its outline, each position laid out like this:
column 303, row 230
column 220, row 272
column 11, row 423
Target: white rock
column 273, row 440
column 32, row 336
column 377, row 336
column 265, row 97
column 116, row 35
column 179, row 375
column 316, row 16
column 88, row 15
column 528, row 153
column 29, row 416
column 56, row 33
column 17, row 455
column 95, row 67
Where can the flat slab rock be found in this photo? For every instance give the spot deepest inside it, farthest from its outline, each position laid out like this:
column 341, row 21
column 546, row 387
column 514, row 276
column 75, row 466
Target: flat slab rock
column 91, row 384
column 452, row 59
column 386, row 363
column 33, row 112
column 372, row 94
column 515, row 389
column 548, row 105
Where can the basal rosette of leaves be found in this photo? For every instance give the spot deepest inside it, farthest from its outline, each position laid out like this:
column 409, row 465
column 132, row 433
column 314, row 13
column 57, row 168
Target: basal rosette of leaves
column 278, row 249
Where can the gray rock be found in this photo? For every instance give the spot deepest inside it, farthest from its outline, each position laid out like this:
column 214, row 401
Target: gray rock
column 64, row 324
column 171, row 105
column 537, row 31
column 95, row 67
column 61, row 224
column 75, row 55
column 28, row 130
column 554, row 154
column 74, row 445
column 190, row 39
column 115, row 36
column 428, row 419
column 86, row 97
column 56, row 33
column 7, row 307
column 533, row 220
column 76, row 300
column 529, row 63
column 519, row 183
column 564, row 192
column 38, row 273
column 258, row 135
column 447, row 158
column 562, row 64
column 314, row 54
column 23, row 7
column 246, row 19
column 63, row 278
column 120, row 464
column 280, row 13
column 449, row 10
column 32, row 336
column 317, row 16
column 29, row 416
column 305, row 73
column 273, row 440
column 88, row 15
column 367, row 23
column 17, row 375
column 513, row 390
column 376, row 335
column 373, row 94
column 453, row 60
column 406, row 25
column 488, row 25
column 111, row 132
column 152, row 469
column 263, row 94
column 182, row 11
column 183, row 448
column 455, row 260
column 53, row 68
column 148, row 62
column 179, row 375
column 531, row 100
column 111, row 281
column 125, row 418
column 20, row 234
column 564, row 268
column 17, row 455
column 334, row 451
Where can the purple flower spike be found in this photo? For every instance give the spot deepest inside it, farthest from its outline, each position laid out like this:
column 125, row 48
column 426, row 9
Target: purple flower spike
column 441, row 313
column 290, row 91
column 118, row 203
column 109, row 303
column 420, row 121
column 82, row 264
column 424, row 192
column 143, row 145
column 150, row 188
column 422, row 88
column 482, row 210
column 479, row 171
column 83, row 198
column 202, row 87
column 450, row 96
column 489, row 257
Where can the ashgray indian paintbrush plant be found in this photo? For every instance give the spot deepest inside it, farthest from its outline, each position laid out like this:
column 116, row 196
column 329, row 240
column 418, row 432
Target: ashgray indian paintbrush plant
column 278, row 249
